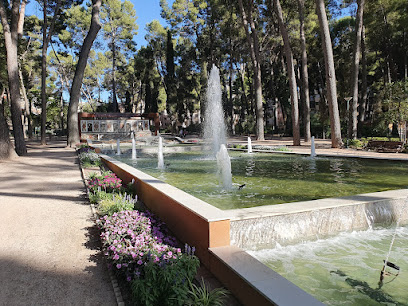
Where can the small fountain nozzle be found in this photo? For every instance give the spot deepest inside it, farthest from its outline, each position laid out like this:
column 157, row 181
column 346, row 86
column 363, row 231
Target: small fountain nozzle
column 387, row 273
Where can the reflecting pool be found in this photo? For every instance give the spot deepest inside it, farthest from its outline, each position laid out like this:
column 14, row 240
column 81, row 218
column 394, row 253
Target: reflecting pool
column 265, row 179
column 345, row 270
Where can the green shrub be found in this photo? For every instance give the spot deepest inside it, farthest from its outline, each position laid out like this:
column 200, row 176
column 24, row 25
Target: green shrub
column 115, row 203
column 166, row 283
column 98, row 196
column 355, row 143
column 202, row 296
column 89, row 159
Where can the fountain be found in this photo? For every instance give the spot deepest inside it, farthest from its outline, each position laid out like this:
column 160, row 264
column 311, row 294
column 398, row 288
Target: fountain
column 249, row 145
column 118, row 147
column 224, row 167
column 160, row 159
column 214, row 123
column 312, row 148
column 214, row 127
column 133, row 146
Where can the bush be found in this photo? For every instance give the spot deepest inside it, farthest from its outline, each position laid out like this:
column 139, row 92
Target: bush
column 141, row 251
column 201, row 295
column 98, row 196
column 354, row 143
column 166, row 282
column 107, row 182
column 89, row 159
column 115, row 203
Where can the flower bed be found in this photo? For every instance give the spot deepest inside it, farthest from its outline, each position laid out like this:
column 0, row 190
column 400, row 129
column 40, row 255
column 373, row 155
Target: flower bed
column 148, row 262
column 88, row 157
column 140, row 250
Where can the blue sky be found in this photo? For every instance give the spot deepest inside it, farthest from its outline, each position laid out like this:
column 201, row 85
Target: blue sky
column 146, row 11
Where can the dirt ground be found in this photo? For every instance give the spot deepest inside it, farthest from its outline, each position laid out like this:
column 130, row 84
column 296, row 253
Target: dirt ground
column 49, row 247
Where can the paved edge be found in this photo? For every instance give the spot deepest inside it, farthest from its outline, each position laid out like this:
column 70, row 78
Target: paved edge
column 114, row 281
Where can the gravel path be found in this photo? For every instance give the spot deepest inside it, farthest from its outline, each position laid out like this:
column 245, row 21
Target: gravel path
column 49, row 247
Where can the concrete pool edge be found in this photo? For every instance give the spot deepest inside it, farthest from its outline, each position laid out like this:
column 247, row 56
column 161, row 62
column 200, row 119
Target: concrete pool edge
column 210, row 229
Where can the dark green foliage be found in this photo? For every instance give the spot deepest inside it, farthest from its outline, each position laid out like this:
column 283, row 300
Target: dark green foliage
column 166, row 283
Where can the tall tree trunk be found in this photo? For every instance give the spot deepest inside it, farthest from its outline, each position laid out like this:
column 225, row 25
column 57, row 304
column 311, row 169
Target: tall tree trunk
column 27, row 109
column 114, row 98
column 46, row 41
column 252, row 38
column 291, row 74
column 6, row 147
column 335, row 127
column 44, row 76
column 356, row 64
column 304, row 71
column 11, row 41
column 363, row 104
column 72, row 120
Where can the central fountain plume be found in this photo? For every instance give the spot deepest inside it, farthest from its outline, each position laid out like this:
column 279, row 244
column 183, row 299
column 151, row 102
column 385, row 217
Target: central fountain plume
column 215, row 129
column 160, row 159
column 214, row 123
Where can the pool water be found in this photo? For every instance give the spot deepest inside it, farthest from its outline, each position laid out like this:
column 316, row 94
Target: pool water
column 345, row 270
column 273, row 178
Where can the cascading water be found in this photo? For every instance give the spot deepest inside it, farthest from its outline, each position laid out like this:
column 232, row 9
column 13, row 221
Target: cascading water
column 224, row 167
column 160, row 159
column 214, row 123
column 249, row 145
column 133, row 147
column 118, row 146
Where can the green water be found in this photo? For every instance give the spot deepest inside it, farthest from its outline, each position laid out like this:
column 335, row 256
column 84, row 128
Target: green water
column 274, row 178
column 345, row 270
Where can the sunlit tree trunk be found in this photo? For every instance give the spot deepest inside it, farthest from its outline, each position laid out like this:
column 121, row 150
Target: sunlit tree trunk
column 291, row 74
column 356, row 64
column 6, row 147
column 46, row 41
column 331, row 89
column 72, row 120
column 253, row 41
column 10, row 32
column 304, row 71
column 363, row 104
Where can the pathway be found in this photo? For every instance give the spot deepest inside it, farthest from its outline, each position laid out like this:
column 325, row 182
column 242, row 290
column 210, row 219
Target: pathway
column 48, row 244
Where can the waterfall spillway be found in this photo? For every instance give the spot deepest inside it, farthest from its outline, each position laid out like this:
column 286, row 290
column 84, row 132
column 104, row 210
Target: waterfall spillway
column 312, row 148
column 118, row 146
column 160, row 159
column 249, row 145
column 224, row 167
column 214, row 123
column 133, row 147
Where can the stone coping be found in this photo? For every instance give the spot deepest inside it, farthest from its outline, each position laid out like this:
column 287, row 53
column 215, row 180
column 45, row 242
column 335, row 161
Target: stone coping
column 305, row 206
column 326, row 154
column 275, row 288
column 206, row 211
